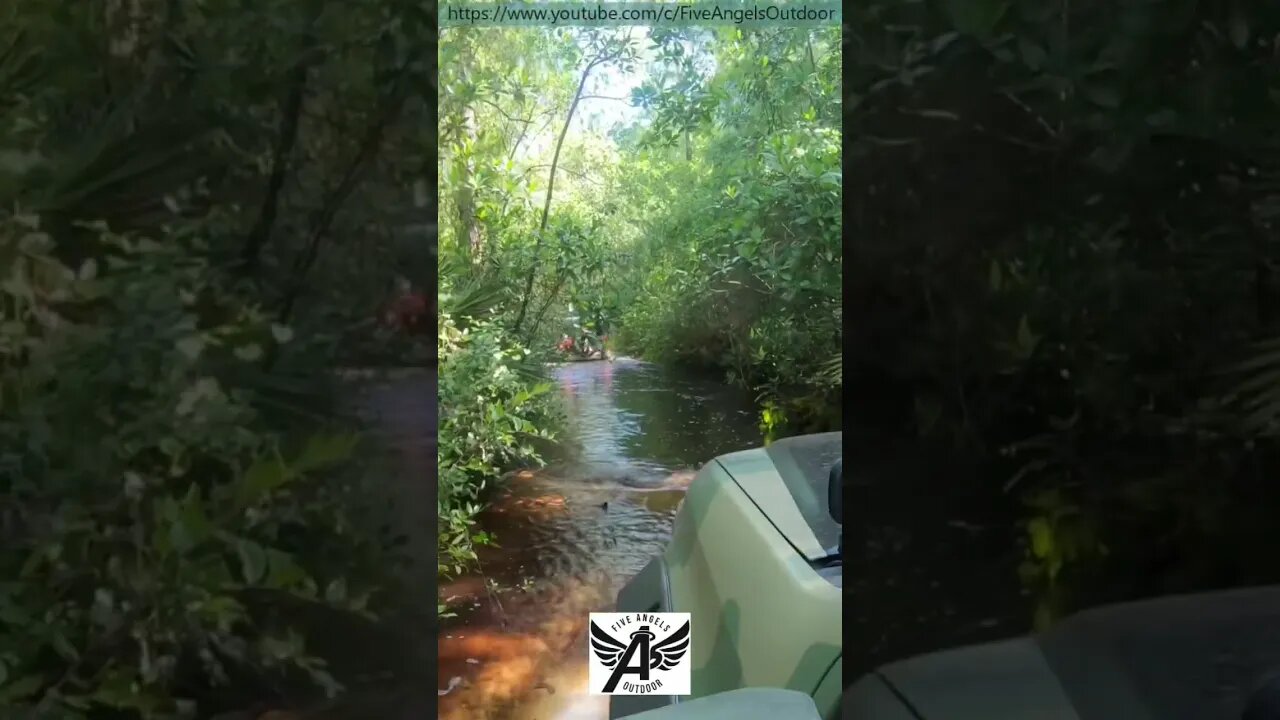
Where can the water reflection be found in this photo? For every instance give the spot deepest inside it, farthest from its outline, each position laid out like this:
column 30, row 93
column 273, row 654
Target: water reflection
column 570, row 534
column 932, row 549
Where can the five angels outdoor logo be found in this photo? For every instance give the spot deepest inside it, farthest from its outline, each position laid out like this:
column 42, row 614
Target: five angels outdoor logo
column 639, row 654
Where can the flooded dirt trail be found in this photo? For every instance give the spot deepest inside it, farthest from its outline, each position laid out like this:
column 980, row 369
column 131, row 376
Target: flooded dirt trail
column 932, row 545
column 401, row 415
column 570, row 534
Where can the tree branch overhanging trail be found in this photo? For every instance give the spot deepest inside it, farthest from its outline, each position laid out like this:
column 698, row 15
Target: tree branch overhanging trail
column 335, row 199
column 260, row 236
column 551, row 180
column 546, row 304
column 498, row 108
column 578, row 174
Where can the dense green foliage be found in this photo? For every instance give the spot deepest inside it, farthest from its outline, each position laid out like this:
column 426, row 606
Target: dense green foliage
column 182, row 185
column 144, row 494
column 735, row 190
column 694, row 219
column 1064, row 223
column 491, row 413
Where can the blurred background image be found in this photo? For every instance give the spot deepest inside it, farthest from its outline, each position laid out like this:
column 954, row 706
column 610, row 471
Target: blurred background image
column 216, row 243
column 1062, row 300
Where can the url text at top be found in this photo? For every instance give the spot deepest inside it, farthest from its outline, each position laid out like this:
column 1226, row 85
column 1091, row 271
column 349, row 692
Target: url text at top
column 607, row 14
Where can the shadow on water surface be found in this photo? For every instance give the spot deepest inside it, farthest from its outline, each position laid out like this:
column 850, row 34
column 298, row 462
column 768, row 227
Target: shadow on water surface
column 570, row 534
column 383, row 662
column 932, row 551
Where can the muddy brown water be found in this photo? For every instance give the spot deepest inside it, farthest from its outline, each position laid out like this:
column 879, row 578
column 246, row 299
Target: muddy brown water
column 931, row 552
column 932, row 564
column 570, row 534
column 932, row 545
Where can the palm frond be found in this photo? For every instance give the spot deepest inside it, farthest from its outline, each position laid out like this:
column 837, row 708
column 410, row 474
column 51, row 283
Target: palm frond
column 832, row 370
column 476, row 301
column 1254, row 393
column 463, row 294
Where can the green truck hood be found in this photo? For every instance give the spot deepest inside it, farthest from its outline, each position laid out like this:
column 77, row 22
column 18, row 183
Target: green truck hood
column 787, row 481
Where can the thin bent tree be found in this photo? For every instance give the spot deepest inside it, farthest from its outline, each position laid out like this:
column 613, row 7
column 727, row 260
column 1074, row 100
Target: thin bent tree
column 610, row 50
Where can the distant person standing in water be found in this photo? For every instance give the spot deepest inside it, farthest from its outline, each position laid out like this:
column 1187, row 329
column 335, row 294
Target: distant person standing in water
column 407, row 312
column 584, row 341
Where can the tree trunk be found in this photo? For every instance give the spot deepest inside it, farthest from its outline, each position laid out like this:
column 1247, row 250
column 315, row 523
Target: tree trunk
column 260, row 236
column 551, row 184
column 537, row 318
column 329, row 210
column 467, row 228
column 368, row 150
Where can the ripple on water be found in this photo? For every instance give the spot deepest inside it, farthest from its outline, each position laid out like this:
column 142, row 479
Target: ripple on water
column 570, row 534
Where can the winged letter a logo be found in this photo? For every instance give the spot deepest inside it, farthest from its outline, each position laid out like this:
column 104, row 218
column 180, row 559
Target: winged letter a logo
column 639, row 653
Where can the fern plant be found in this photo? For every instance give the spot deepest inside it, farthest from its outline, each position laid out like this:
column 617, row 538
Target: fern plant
column 1253, row 397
